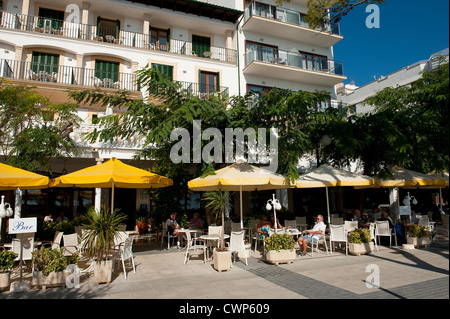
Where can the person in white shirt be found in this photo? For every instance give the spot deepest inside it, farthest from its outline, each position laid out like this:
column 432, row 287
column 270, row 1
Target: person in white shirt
column 313, row 235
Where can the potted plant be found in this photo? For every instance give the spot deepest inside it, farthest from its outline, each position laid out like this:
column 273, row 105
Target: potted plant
column 360, row 242
column 280, row 248
column 418, row 235
column 7, row 259
column 98, row 241
column 217, row 203
column 49, row 266
column 142, row 225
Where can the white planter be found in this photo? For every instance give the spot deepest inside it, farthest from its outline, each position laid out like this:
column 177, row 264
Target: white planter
column 280, row 257
column 222, row 260
column 54, row 279
column 361, row 249
column 419, row 241
column 5, row 281
column 103, row 271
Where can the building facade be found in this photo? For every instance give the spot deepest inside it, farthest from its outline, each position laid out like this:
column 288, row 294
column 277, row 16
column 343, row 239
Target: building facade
column 209, row 47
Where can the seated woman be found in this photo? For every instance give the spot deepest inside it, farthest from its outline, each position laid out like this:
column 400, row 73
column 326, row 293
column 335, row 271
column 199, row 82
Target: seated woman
column 196, row 222
column 262, row 229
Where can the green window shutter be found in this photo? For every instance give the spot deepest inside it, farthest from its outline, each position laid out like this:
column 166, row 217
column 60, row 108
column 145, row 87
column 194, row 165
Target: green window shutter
column 166, row 70
column 98, row 26
column 55, row 18
column 44, row 62
column 107, row 69
column 200, row 44
column 117, row 29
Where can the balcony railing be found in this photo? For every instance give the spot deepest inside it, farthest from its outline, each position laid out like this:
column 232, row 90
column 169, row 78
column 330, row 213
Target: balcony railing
column 109, row 35
column 203, row 90
column 294, row 59
column 25, row 70
column 284, row 15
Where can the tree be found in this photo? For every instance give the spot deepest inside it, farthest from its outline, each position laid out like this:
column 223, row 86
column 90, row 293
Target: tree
column 32, row 130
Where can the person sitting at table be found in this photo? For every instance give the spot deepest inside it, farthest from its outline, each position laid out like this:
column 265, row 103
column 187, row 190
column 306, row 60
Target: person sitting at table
column 196, row 222
column 361, row 222
column 263, row 227
column 385, row 216
column 48, row 218
column 272, row 223
column 172, row 228
column 62, row 218
column 314, row 234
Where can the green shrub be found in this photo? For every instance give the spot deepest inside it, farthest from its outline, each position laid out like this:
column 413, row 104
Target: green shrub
column 50, row 260
column 359, row 236
column 415, row 230
column 7, row 259
column 279, row 242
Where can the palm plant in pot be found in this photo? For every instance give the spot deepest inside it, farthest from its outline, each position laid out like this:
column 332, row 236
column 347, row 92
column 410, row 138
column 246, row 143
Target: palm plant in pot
column 7, row 259
column 217, row 203
column 101, row 229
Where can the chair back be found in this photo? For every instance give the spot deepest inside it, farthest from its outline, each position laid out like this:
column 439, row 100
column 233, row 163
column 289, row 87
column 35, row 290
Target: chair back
column 127, row 248
column 382, row 228
column 120, row 237
column 57, row 240
column 424, row 221
column 300, row 220
column 350, row 225
column 337, row 221
column 237, row 240
column 215, row 230
column 372, row 230
column 122, row 227
column 290, row 223
column 70, row 244
column 337, row 233
column 236, row 227
column 79, row 230
column 27, row 242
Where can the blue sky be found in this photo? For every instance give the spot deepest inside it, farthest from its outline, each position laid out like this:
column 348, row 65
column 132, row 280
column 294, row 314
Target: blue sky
column 410, row 31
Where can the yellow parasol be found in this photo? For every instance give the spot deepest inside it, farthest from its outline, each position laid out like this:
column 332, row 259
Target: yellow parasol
column 328, row 176
column 240, row 177
column 111, row 174
column 402, row 177
column 12, row 178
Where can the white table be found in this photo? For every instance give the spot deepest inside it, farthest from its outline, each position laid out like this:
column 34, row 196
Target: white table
column 214, row 237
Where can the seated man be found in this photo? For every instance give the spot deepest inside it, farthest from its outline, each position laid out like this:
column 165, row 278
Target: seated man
column 361, row 222
column 172, row 228
column 313, row 235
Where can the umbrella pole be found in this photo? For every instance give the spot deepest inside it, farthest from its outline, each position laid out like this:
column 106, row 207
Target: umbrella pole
column 240, row 204
column 328, row 206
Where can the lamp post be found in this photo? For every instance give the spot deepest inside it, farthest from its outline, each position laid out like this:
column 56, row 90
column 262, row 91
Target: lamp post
column 407, row 202
column 275, row 203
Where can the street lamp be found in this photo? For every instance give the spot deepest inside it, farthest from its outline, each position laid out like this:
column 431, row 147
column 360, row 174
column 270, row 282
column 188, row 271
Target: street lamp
column 407, row 200
column 275, row 203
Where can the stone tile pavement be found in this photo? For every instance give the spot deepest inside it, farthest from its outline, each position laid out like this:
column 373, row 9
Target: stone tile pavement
column 161, row 274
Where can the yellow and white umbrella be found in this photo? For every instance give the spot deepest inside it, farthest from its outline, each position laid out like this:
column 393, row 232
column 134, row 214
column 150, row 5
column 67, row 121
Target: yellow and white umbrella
column 240, row 177
column 13, row 177
column 402, row 177
column 111, row 174
column 328, row 176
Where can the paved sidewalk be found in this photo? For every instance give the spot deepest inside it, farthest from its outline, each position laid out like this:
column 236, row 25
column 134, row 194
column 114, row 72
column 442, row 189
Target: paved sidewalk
column 161, row 274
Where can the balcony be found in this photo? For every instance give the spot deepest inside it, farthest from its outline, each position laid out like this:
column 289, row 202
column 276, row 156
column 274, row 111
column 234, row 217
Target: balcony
column 202, row 90
column 110, row 36
column 292, row 66
column 288, row 24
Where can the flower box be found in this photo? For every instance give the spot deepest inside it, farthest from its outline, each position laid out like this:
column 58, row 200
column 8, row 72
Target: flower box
column 361, row 249
column 103, row 271
column 54, row 279
column 222, row 260
column 419, row 241
column 5, row 281
column 280, row 257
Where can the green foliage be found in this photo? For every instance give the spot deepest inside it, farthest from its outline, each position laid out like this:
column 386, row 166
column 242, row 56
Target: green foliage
column 50, row 260
column 359, row 236
column 217, row 202
column 415, row 230
column 7, row 259
column 66, row 227
column 101, row 229
column 279, row 242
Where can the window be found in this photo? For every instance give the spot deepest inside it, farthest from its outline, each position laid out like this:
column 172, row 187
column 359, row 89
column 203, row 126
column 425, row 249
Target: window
column 314, row 61
column 107, row 71
column 259, row 89
column 209, row 82
column 265, row 53
column 159, row 38
column 201, row 45
column 166, row 70
column 49, row 18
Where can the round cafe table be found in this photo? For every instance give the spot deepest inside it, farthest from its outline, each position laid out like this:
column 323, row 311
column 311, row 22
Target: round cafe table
column 213, row 237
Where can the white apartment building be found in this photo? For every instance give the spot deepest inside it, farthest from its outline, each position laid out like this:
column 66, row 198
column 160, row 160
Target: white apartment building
column 354, row 96
column 210, row 46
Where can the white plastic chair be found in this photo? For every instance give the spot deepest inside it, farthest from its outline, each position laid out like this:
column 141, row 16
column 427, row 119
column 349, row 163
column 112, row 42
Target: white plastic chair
column 56, row 243
column 338, row 234
column 165, row 234
column 292, row 223
column 237, row 244
column 194, row 246
column 372, row 227
column 350, row 225
column 301, row 222
column 71, row 244
column 120, row 237
column 27, row 243
column 126, row 253
column 382, row 229
column 314, row 245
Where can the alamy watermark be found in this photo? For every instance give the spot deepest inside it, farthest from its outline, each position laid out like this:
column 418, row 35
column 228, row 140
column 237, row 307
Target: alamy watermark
column 373, row 19
column 373, row 279
column 237, row 145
